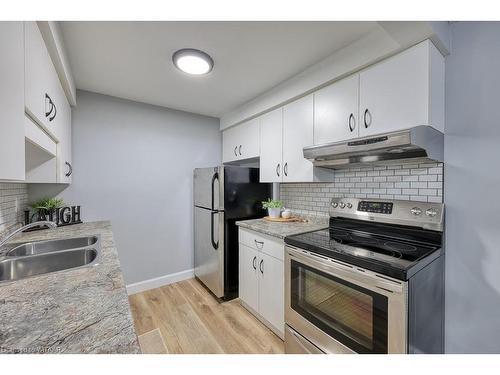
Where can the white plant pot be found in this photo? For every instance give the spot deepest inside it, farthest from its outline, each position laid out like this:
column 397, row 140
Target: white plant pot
column 274, row 212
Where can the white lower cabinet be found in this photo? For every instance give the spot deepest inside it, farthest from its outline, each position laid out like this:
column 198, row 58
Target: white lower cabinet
column 271, row 291
column 262, row 278
column 249, row 277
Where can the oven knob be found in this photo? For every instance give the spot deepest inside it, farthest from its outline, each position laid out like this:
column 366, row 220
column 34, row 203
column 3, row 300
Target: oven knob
column 416, row 211
column 341, row 204
column 334, row 204
column 431, row 212
column 349, row 205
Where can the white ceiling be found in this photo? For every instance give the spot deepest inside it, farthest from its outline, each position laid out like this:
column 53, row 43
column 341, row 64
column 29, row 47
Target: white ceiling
column 132, row 60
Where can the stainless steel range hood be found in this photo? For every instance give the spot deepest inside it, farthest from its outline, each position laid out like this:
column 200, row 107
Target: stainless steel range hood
column 420, row 143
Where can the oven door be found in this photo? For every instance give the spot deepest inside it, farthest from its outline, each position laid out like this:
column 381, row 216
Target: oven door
column 341, row 308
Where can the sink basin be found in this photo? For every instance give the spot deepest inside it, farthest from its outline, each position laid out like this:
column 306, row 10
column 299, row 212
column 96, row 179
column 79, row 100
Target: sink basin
column 31, row 265
column 32, row 248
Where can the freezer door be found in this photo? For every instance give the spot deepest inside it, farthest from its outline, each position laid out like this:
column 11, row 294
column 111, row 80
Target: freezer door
column 209, row 249
column 207, row 188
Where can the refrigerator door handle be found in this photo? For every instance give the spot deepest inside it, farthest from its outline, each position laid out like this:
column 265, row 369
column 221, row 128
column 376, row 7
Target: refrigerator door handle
column 215, row 245
column 215, row 177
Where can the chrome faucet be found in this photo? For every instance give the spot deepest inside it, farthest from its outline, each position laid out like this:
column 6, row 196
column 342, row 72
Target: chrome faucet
column 50, row 224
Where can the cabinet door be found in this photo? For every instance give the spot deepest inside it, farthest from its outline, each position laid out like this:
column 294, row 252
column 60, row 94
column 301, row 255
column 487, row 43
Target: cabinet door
column 41, row 81
column 394, row 94
column 271, row 143
column 64, row 160
column 271, row 291
column 248, row 277
column 229, row 148
column 336, row 111
column 12, row 98
column 297, row 133
column 248, row 138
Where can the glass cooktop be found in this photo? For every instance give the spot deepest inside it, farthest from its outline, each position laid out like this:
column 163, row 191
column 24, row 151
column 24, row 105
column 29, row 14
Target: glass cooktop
column 389, row 249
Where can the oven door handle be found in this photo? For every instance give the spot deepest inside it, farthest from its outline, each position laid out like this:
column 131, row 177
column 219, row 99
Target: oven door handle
column 338, row 269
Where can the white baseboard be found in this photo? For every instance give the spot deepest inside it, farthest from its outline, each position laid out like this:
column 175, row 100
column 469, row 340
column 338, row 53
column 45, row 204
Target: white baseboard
column 142, row 286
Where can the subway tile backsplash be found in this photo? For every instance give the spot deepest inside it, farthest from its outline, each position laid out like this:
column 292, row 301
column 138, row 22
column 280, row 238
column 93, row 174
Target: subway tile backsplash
column 417, row 182
column 10, row 195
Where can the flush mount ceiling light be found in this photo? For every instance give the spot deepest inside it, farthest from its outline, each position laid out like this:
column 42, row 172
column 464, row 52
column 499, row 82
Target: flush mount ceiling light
column 193, row 61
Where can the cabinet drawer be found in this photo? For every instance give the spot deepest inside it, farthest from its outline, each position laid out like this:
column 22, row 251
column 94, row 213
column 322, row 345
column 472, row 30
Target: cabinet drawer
column 268, row 245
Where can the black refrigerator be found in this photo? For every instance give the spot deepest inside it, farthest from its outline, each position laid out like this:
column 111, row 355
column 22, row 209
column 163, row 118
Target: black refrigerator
column 222, row 196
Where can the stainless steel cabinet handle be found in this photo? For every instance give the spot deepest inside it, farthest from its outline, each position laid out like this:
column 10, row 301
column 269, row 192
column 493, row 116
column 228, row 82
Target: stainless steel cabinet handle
column 366, row 115
column 352, row 122
column 239, row 149
column 215, row 244
column 257, row 243
column 236, row 151
column 261, row 266
column 254, row 262
column 70, row 170
column 278, row 169
column 285, row 169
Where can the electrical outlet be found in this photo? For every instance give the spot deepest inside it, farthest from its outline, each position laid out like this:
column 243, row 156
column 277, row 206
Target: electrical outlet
column 17, row 205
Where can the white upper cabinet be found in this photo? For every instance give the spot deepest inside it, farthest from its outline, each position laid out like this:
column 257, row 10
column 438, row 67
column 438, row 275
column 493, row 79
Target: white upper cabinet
column 64, row 159
column 297, row 133
column 47, row 106
column 336, row 111
column 44, row 96
column 241, row 142
column 403, row 91
column 271, row 146
column 284, row 132
column 12, row 98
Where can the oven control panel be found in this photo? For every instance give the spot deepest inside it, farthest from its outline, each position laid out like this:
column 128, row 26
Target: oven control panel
column 421, row 214
column 375, row 207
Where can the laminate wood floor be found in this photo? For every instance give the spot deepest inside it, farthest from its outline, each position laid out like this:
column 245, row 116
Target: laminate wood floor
column 192, row 321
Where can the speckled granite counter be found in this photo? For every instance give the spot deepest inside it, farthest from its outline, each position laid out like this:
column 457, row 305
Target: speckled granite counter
column 82, row 310
column 281, row 230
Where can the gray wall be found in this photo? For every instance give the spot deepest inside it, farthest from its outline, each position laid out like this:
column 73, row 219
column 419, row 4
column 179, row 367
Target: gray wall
column 133, row 165
column 472, row 189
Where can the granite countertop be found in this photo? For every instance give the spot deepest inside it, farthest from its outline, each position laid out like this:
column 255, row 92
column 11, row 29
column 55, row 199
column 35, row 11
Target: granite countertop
column 83, row 310
column 282, row 230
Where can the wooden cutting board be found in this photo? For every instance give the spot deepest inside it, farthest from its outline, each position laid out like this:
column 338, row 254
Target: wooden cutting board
column 283, row 220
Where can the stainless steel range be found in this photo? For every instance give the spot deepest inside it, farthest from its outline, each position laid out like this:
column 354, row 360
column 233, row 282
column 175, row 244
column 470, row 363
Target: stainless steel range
column 373, row 282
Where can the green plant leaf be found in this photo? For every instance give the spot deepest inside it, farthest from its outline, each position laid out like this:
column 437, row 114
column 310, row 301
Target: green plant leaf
column 272, row 203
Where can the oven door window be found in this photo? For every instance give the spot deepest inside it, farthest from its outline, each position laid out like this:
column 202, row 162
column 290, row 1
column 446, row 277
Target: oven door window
column 354, row 316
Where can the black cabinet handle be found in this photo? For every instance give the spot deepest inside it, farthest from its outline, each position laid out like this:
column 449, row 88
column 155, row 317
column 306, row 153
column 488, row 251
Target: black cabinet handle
column 261, row 266
column 365, row 115
column 278, row 169
column 257, row 243
column 235, row 151
column 254, row 262
column 285, row 169
column 351, row 124
column 51, row 112
column 70, row 170
column 239, row 149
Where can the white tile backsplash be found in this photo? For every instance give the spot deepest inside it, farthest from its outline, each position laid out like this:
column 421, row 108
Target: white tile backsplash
column 12, row 196
column 417, row 182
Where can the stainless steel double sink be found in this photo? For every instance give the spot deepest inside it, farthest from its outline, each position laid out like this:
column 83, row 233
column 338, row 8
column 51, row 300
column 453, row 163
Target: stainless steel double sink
column 38, row 258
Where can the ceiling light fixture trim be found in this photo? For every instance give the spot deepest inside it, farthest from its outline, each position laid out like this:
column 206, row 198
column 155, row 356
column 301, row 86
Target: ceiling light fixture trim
column 193, row 61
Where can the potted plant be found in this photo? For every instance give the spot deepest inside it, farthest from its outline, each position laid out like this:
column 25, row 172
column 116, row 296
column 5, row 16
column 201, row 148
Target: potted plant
column 46, row 208
column 273, row 207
